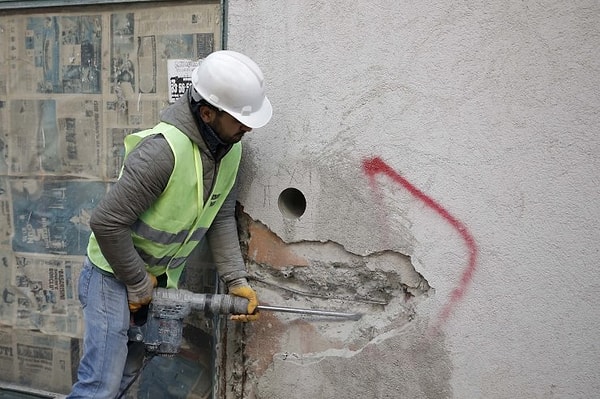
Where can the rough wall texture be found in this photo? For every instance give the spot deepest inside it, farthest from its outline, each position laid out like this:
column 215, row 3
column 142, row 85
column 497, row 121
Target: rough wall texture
column 451, row 142
column 326, row 357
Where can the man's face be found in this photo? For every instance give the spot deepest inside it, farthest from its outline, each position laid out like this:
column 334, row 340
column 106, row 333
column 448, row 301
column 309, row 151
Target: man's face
column 229, row 129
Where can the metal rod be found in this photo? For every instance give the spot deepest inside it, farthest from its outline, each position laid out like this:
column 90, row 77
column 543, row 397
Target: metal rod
column 351, row 316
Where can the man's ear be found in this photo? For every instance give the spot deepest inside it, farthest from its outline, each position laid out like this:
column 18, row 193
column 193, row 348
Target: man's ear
column 207, row 114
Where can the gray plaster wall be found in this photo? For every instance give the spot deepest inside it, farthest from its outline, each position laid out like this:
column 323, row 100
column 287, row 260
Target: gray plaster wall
column 459, row 136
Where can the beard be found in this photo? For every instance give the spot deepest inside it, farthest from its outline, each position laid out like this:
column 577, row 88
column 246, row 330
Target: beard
column 217, row 127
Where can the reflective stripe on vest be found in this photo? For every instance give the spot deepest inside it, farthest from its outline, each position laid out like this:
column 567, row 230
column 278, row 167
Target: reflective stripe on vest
column 166, row 234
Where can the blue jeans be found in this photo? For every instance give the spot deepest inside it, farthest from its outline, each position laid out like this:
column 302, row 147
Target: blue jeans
column 109, row 361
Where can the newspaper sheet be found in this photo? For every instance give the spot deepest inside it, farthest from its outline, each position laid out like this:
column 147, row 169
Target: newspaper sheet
column 34, row 359
column 72, row 85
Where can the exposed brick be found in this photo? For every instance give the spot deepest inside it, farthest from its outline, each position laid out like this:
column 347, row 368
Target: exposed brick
column 265, row 247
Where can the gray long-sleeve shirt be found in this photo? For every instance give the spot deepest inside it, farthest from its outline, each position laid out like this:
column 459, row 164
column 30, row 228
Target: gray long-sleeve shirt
column 145, row 174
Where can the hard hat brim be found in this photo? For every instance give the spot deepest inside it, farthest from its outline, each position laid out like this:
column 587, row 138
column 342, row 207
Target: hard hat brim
column 255, row 119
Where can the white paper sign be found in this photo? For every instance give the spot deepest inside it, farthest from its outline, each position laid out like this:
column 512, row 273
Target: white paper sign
column 180, row 77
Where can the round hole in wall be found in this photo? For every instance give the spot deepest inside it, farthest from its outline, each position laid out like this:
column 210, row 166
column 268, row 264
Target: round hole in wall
column 292, row 203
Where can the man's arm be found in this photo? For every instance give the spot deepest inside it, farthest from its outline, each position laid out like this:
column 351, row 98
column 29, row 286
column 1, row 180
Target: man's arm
column 146, row 172
column 223, row 240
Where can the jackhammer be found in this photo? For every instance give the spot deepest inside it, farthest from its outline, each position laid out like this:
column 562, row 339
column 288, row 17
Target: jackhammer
column 162, row 333
column 162, row 330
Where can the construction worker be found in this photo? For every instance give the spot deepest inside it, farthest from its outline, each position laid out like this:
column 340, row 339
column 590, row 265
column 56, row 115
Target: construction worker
column 176, row 188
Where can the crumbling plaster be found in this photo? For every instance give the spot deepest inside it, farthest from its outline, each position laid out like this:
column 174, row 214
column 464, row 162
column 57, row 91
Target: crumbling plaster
column 490, row 112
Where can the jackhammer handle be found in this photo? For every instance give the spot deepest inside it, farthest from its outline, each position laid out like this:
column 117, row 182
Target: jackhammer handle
column 208, row 303
column 225, row 304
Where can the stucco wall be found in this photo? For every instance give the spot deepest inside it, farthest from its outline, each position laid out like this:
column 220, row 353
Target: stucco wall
column 461, row 137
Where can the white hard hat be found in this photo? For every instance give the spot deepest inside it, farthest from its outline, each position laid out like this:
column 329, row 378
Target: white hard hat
column 234, row 83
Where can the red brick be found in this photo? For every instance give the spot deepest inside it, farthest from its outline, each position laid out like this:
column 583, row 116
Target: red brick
column 267, row 248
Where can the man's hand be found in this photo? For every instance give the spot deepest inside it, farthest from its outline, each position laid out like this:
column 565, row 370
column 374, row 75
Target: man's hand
column 247, row 292
column 140, row 294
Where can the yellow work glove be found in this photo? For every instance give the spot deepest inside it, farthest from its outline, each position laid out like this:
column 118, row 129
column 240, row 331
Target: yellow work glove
column 245, row 291
column 140, row 294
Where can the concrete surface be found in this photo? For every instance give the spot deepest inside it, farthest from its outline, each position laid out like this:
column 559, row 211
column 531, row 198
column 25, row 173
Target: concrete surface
column 458, row 139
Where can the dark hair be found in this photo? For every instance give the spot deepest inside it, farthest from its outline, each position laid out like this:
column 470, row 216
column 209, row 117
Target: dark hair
column 205, row 103
column 197, row 101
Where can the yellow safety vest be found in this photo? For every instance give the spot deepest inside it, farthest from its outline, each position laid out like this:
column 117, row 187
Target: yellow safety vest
column 166, row 233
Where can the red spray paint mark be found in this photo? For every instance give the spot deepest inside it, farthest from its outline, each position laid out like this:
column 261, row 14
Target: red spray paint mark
column 375, row 166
